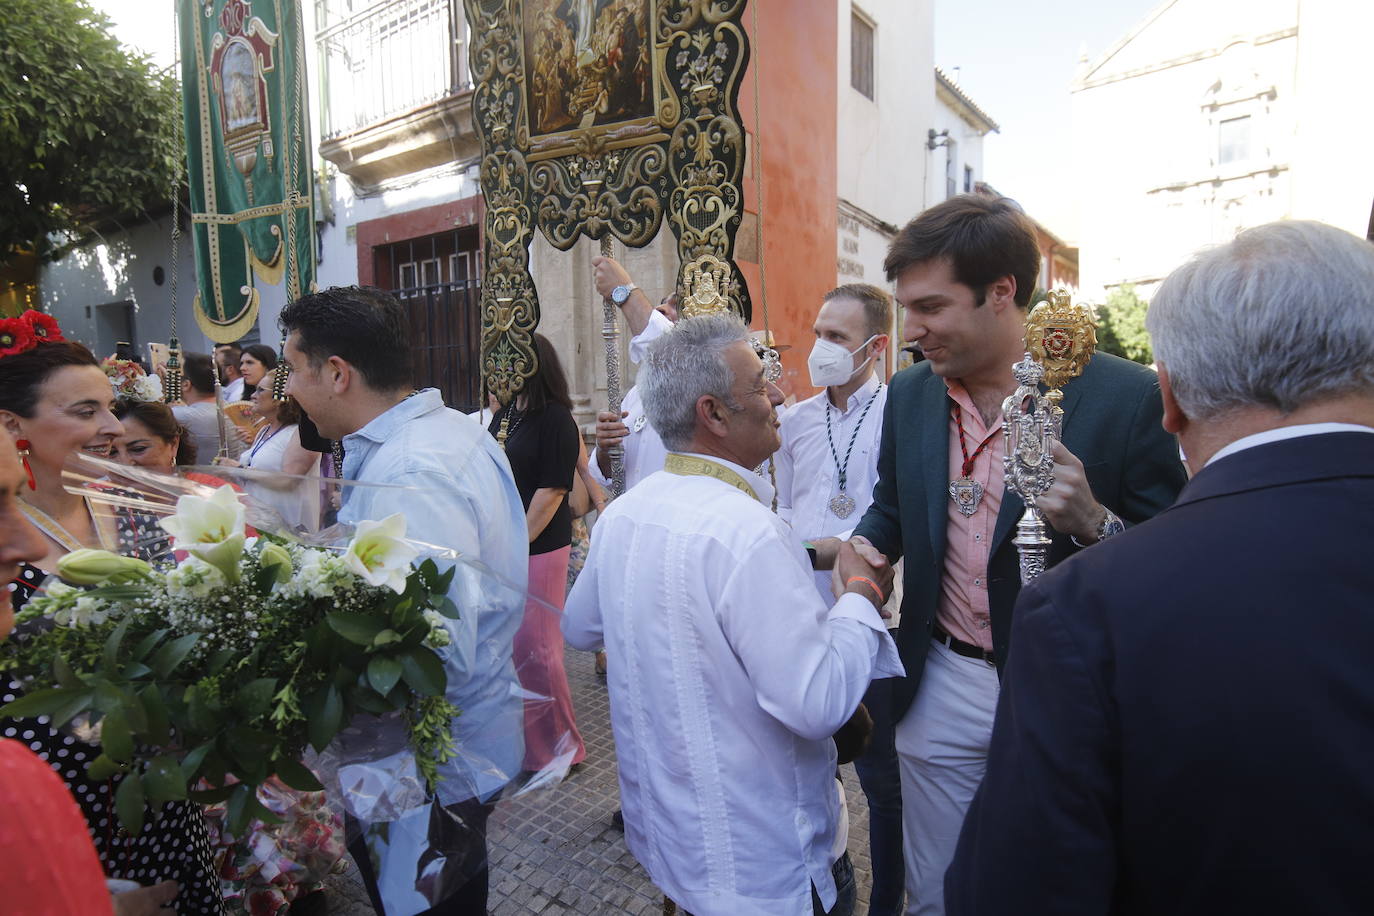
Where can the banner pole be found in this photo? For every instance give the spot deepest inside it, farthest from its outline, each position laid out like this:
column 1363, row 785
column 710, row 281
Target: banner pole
column 610, row 333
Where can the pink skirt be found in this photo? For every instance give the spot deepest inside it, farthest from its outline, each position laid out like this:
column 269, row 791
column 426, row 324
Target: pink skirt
column 551, row 736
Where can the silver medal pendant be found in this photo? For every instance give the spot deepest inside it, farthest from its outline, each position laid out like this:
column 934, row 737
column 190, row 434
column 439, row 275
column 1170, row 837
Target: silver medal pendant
column 842, row 505
column 639, row 423
column 967, row 494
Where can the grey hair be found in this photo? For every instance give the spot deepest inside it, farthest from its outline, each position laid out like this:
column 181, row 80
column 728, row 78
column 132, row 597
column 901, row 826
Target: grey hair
column 682, row 366
column 1281, row 317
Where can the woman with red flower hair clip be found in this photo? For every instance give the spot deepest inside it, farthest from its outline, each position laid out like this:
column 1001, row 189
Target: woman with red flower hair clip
column 56, row 400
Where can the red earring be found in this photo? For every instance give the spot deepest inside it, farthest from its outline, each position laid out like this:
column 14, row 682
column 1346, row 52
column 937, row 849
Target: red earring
column 23, row 445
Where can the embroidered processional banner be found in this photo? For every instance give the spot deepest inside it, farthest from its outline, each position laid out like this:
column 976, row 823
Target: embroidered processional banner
column 248, row 156
column 603, row 118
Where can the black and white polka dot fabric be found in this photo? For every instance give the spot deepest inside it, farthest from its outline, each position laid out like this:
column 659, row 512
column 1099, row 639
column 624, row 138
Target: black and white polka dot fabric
column 172, row 845
column 140, row 535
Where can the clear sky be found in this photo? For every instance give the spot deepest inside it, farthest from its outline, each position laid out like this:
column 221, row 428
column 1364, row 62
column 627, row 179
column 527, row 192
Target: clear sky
column 1016, row 60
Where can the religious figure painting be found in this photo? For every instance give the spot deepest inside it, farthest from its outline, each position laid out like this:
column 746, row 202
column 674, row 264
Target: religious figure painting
column 240, row 78
column 587, row 63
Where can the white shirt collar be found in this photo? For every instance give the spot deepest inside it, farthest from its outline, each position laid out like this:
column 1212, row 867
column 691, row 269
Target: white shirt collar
column 1286, row 432
column 858, row 398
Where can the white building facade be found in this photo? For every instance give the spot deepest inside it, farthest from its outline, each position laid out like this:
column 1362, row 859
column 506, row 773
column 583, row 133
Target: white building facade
column 907, row 136
column 1212, row 116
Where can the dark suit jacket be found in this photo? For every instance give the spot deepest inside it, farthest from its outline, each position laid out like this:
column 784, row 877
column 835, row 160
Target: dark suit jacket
column 1187, row 726
column 1111, row 423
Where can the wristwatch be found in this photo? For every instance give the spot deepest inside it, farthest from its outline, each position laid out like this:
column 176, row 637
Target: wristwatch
column 1109, row 526
column 621, row 293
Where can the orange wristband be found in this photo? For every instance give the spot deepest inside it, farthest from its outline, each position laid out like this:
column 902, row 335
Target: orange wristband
column 866, row 581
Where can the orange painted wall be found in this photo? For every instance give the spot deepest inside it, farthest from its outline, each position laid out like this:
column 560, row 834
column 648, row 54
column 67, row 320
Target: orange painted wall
column 792, row 148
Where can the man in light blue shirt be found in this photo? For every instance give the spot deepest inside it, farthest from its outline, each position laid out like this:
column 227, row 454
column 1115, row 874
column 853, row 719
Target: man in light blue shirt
column 348, row 351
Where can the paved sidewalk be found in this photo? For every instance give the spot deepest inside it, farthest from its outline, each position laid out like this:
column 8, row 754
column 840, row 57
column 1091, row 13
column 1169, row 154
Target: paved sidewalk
column 555, row 851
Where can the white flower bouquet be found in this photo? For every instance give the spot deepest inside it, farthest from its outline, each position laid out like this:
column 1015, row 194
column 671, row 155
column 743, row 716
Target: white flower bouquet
column 239, row 657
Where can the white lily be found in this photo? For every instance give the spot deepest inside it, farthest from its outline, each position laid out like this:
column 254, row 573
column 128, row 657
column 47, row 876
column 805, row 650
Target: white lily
column 211, row 529
column 94, row 567
column 278, row 555
column 380, row 554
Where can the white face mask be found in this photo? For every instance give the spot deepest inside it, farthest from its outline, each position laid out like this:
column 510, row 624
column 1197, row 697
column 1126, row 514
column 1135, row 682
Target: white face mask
column 831, row 364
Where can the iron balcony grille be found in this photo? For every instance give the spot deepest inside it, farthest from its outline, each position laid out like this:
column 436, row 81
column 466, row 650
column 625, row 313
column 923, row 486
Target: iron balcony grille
column 389, row 58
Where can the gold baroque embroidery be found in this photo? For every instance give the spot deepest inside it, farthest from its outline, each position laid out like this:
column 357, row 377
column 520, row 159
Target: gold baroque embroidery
column 565, row 148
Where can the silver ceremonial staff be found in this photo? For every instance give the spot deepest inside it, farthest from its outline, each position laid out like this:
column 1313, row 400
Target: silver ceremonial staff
column 1060, row 339
column 610, row 333
column 220, row 419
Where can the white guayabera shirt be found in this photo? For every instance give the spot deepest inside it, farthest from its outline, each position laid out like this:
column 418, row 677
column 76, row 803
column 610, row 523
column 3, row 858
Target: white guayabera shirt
column 728, row 675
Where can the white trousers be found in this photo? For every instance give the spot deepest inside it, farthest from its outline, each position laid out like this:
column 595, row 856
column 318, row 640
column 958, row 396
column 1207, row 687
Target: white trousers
column 942, row 746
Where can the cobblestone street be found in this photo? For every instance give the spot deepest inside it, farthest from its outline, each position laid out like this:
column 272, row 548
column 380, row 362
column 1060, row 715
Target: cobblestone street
column 556, row 851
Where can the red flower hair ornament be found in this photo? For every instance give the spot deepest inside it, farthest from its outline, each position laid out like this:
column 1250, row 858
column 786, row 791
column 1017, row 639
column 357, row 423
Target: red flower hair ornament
column 45, row 328
column 16, row 336
column 30, row 329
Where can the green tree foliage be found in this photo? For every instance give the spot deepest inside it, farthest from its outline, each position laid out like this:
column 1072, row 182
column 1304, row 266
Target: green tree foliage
column 1121, row 326
column 87, row 129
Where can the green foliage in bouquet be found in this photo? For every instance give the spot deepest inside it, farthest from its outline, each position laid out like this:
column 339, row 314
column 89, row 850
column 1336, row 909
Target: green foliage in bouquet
column 228, row 665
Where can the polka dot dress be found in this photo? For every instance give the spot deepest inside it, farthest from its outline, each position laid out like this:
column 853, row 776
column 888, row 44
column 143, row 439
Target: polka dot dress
column 172, row 845
column 140, row 535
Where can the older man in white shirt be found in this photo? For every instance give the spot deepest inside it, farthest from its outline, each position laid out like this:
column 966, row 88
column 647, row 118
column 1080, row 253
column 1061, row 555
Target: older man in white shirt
column 826, row 469
column 732, row 674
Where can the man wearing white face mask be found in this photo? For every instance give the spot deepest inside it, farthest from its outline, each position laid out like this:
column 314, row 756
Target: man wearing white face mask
column 826, row 469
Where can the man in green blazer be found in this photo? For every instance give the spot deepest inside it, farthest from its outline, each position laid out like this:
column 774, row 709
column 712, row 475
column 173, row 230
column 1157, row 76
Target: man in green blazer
column 964, row 272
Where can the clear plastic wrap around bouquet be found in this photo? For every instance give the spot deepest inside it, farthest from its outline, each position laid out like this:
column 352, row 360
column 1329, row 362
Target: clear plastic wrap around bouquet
column 220, row 657
column 239, row 656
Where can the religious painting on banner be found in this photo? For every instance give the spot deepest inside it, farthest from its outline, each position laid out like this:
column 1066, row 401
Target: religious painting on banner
column 604, row 119
column 588, row 62
column 248, row 156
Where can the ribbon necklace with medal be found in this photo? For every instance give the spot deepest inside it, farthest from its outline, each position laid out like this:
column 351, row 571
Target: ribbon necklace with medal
column 842, row 504
column 966, row 492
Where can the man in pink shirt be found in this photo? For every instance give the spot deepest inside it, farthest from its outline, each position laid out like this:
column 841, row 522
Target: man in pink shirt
column 964, row 272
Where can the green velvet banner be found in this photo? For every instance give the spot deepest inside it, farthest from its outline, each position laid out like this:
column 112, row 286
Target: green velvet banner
column 248, row 156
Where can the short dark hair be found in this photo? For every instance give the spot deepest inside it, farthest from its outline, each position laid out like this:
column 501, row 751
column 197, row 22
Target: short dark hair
column 876, row 302
column 550, row 383
column 362, row 325
column 161, row 422
column 22, row 374
column 984, row 239
column 198, row 369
